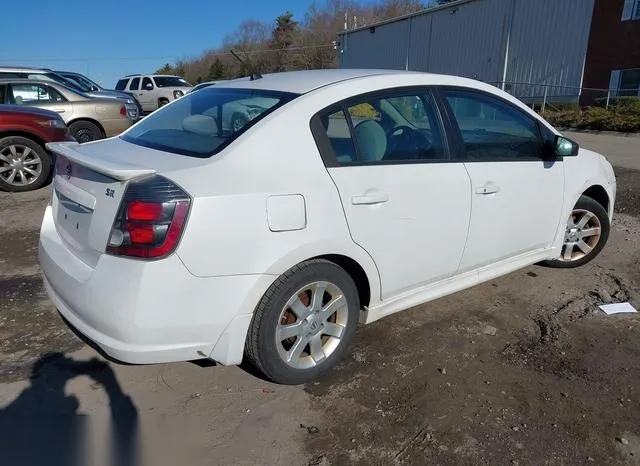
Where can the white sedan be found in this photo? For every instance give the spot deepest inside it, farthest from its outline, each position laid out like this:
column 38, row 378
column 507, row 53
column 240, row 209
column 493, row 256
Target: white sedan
column 355, row 195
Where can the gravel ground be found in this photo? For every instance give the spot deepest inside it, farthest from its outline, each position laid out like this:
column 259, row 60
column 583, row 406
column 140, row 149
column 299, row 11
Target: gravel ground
column 521, row 370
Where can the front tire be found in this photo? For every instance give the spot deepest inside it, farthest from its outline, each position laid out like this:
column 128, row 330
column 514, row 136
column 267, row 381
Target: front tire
column 304, row 323
column 85, row 131
column 586, row 233
column 24, row 164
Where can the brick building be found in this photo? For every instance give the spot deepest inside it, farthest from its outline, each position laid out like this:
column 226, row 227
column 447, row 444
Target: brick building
column 613, row 53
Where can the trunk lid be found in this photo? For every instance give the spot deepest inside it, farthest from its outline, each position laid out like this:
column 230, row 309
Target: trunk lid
column 89, row 183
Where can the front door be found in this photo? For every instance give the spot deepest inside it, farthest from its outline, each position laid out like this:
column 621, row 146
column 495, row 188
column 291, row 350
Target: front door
column 406, row 204
column 146, row 96
column 517, row 192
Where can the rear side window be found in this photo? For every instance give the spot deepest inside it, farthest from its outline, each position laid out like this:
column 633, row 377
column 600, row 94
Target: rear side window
column 34, row 94
column 121, row 85
column 135, row 83
column 202, row 123
column 401, row 127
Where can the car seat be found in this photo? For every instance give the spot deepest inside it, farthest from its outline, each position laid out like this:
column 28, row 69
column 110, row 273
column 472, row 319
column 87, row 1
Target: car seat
column 371, row 140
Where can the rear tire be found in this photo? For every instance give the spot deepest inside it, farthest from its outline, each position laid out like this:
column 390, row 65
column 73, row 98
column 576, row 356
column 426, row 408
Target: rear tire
column 24, row 164
column 85, row 131
column 586, row 234
column 304, row 323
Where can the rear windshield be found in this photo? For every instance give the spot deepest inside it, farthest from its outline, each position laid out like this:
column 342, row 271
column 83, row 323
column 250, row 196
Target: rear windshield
column 170, row 81
column 204, row 122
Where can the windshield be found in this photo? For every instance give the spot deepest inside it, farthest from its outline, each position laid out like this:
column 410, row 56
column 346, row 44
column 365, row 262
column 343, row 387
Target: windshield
column 170, row 81
column 67, row 82
column 204, row 122
column 82, row 82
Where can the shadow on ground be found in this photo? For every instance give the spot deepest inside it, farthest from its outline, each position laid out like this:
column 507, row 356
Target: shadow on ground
column 43, row 426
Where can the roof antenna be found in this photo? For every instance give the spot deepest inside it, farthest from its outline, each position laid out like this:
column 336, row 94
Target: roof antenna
column 253, row 73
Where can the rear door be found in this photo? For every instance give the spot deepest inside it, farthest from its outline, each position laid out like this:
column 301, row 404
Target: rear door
column 517, row 190
column 406, row 203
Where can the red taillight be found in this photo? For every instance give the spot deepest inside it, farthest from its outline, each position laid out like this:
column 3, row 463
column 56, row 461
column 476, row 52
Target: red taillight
column 123, row 111
column 151, row 219
column 144, row 211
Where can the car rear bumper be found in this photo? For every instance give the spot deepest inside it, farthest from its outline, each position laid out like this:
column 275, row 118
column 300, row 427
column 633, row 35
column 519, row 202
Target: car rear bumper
column 149, row 312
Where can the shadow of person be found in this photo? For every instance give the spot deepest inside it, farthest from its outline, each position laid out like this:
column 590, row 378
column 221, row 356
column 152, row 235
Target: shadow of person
column 43, row 425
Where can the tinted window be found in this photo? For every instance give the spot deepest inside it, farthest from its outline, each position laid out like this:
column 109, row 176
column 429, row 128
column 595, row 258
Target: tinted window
column 492, row 129
column 135, row 82
column 170, row 81
column 121, row 85
column 34, row 94
column 202, row 123
column 395, row 128
column 145, row 82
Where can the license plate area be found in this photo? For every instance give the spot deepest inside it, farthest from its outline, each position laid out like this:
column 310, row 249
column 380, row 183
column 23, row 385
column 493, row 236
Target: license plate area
column 73, row 221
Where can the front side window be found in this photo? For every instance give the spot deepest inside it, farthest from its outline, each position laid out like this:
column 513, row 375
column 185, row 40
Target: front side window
column 34, row 94
column 135, row 84
column 146, row 82
column 493, row 130
column 399, row 127
column 202, row 123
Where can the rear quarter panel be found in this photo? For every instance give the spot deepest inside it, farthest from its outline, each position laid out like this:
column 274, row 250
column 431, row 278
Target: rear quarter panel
column 228, row 230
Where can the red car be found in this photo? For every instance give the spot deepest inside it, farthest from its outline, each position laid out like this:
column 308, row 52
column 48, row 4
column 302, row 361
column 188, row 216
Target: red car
column 25, row 164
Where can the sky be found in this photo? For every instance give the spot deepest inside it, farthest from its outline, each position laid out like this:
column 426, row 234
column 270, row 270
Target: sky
column 110, row 39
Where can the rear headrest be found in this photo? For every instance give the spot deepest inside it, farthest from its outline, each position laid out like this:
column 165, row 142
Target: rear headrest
column 372, row 140
column 200, row 124
column 19, row 100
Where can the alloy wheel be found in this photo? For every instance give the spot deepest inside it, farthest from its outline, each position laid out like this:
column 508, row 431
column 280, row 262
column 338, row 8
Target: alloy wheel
column 581, row 236
column 311, row 325
column 19, row 165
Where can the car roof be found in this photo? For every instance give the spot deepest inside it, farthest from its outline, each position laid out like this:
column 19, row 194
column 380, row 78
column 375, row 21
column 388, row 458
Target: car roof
column 301, row 82
column 26, row 69
column 29, row 81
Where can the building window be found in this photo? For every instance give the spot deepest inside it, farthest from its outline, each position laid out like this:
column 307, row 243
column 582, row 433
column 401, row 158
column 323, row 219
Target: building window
column 631, row 10
column 625, row 82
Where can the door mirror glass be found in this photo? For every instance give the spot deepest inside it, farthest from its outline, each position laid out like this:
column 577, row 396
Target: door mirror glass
column 566, row 147
column 148, row 87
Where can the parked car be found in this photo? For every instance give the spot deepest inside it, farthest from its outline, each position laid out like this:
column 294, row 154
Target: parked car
column 88, row 118
column 355, row 195
column 25, row 163
column 154, row 91
column 74, row 82
column 199, row 86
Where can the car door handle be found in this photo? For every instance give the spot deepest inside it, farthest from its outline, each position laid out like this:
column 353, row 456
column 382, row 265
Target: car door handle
column 59, row 110
column 370, row 199
column 487, row 189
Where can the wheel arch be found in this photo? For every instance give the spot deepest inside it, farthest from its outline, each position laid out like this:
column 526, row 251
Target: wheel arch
column 600, row 195
column 357, row 273
column 88, row 120
column 24, row 134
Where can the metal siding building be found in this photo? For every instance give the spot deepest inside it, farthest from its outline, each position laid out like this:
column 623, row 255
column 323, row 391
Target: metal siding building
column 512, row 41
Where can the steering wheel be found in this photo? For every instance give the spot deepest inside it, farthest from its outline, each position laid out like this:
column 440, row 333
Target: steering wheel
column 407, row 142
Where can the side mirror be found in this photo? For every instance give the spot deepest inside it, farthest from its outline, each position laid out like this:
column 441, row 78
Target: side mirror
column 149, row 87
column 566, row 147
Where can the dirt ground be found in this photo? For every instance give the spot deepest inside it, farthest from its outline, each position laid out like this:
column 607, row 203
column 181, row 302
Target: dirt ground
column 521, row 370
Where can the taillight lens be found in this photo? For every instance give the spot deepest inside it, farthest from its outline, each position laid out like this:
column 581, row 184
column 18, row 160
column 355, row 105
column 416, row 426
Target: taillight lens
column 123, row 111
column 150, row 220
